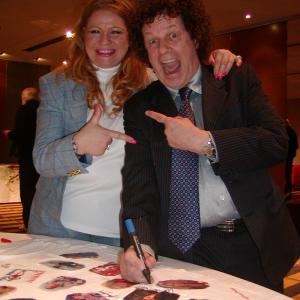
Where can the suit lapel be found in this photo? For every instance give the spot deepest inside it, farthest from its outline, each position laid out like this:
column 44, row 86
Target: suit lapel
column 161, row 100
column 213, row 98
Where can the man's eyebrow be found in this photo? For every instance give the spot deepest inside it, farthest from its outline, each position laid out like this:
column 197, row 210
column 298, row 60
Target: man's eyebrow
column 171, row 26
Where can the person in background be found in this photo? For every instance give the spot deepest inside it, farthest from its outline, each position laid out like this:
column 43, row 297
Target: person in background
column 79, row 148
column 292, row 150
column 196, row 183
column 22, row 137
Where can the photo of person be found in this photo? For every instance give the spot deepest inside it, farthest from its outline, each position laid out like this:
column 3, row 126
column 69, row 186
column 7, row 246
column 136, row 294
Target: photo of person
column 165, row 296
column 143, row 294
column 23, row 275
column 22, row 299
column 140, row 294
column 63, row 265
column 86, row 296
column 109, row 269
column 62, row 282
column 183, row 284
column 118, row 283
column 81, row 255
column 4, row 289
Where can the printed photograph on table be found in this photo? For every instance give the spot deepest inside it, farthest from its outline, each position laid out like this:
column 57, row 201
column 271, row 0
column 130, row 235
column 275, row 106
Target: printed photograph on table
column 22, row 275
column 118, row 283
column 183, row 284
column 4, row 289
column 109, row 269
column 81, row 255
column 62, row 282
column 143, row 294
column 22, row 299
column 86, row 296
column 63, row 265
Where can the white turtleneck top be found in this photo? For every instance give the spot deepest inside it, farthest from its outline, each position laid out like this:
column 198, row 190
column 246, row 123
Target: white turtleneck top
column 91, row 202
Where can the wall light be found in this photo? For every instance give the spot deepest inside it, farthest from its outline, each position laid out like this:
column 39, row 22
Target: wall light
column 248, row 16
column 69, row 34
column 39, row 59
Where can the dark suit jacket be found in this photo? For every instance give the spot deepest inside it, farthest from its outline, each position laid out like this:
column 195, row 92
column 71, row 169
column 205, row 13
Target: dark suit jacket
column 249, row 137
column 23, row 134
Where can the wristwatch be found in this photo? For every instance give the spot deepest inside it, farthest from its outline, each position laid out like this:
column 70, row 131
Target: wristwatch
column 211, row 150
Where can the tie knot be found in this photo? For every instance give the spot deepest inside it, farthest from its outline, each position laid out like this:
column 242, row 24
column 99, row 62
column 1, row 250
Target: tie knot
column 185, row 92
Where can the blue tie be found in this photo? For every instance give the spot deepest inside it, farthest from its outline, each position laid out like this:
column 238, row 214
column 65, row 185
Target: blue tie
column 184, row 213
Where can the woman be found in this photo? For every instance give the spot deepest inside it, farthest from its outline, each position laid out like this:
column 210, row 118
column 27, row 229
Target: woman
column 79, row 142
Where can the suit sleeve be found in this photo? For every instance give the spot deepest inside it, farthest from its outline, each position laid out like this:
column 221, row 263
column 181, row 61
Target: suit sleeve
column 140, row 193
column 53, row 151
column 254, row 137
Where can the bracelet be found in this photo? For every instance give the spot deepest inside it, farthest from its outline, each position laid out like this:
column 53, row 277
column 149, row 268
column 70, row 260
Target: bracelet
column 75, row 149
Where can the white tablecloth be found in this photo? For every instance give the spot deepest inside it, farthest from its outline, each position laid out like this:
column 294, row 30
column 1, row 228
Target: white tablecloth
column 26, row 255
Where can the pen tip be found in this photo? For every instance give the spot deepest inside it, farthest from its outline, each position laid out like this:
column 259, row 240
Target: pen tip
column 147, row 275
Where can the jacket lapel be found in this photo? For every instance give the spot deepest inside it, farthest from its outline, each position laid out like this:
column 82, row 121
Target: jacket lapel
column 213, row 97
column 161, row 100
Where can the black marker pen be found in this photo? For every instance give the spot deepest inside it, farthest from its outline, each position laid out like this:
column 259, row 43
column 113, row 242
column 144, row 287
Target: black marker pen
column 137, row 247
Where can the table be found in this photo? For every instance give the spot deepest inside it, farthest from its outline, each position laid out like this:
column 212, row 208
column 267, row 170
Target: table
column 29, row 262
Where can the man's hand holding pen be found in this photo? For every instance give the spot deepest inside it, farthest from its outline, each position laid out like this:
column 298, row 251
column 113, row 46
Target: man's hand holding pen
column 132, row 267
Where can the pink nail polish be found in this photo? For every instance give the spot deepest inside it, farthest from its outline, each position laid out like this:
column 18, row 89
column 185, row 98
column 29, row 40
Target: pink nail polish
column 133, row 141
column 96, row 107
column 4, row 240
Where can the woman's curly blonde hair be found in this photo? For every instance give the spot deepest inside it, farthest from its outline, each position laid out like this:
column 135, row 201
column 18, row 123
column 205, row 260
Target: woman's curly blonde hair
column 132, row 75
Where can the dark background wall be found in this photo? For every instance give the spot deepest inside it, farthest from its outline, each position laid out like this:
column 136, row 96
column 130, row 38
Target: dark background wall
column 265, row 48
column 14, row 77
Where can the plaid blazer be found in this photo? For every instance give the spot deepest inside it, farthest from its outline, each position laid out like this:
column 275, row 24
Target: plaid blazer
column 62, row 112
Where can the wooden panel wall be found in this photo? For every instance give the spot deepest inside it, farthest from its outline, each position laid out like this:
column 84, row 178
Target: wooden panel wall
column 293, row 78
column 3, row 66
column 265, row 48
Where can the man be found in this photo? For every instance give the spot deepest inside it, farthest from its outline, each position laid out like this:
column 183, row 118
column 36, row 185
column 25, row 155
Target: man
column 22, row 137
column 215, row 149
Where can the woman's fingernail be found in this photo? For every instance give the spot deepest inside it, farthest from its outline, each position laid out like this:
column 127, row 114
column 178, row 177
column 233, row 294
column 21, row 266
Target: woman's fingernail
column 4, row 240
column 96, row 107
column 132, row 141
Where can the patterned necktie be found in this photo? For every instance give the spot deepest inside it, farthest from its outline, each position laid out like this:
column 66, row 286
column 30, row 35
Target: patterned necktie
column 184, row 213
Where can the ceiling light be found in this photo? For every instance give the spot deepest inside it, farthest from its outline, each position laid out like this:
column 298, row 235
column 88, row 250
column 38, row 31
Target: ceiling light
column 64, row 62
column 69, row 34
column 3, row 54
column 274, row 27
column 248, row 16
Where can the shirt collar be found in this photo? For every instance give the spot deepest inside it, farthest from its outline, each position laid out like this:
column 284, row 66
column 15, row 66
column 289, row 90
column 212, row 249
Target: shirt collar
column 194, row 84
